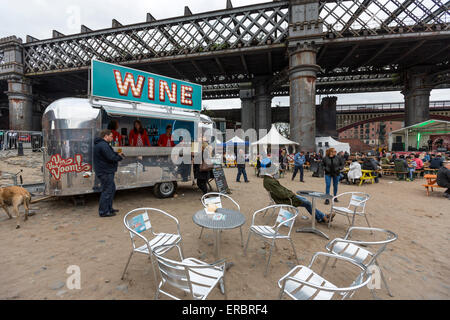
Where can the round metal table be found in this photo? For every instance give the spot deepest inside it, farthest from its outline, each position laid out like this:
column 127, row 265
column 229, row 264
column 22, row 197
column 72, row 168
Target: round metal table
column 314, row 195
column 233, row 219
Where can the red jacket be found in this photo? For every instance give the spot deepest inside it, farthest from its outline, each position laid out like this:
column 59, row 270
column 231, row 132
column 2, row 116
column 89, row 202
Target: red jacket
column 118, row 136
column 134, row 139
column 419, row 163
column 163, row 139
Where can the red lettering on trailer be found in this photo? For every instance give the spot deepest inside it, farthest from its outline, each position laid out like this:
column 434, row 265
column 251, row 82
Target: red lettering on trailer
column 58, row 166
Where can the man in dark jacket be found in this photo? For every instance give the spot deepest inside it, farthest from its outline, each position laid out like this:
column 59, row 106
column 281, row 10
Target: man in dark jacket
column 401, row 167
column 443, row 178
column 282, row 195
column 105, row 166
column 436, row 162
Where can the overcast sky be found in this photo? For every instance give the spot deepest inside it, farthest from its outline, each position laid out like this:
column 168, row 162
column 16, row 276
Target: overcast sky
column 39, row 17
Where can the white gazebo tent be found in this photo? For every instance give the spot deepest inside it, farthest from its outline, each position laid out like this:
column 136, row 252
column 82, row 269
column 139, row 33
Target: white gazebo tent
column 324, row 143
column 235, row 140
column 417, row 135
column 272, row 138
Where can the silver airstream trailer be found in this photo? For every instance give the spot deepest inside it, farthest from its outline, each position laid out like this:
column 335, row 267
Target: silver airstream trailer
column 70, row 126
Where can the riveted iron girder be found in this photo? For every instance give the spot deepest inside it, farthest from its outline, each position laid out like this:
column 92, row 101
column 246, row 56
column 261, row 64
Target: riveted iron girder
column 212, row 32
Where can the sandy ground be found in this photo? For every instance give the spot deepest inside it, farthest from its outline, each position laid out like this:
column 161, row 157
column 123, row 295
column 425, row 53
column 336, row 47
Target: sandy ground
column 35, row 258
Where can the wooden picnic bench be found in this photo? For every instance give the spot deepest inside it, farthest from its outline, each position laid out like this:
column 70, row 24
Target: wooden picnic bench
column 405, row 174
column 431, row 183
column 427, row 170
column 367, row 175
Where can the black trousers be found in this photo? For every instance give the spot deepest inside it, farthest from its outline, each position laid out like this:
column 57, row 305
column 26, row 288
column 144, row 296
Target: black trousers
column 203, row 185
column 108, row 189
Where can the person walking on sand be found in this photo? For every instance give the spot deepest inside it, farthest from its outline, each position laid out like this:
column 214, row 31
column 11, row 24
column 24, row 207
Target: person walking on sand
column 333, row 165
column 105, row 166
column 241, row 167
column 299, row 161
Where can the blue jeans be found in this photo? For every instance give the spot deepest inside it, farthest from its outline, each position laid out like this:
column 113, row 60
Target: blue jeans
column 241, row 171
column 328, row 184
column 308, row 206
column 108, row 191
column 296, row 169
column 411, row 173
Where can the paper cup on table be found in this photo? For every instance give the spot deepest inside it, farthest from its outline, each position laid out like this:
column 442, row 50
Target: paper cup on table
column 211, row 209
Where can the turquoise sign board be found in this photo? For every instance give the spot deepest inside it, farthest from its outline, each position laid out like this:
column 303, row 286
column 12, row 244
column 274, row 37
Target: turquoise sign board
column 116, row 82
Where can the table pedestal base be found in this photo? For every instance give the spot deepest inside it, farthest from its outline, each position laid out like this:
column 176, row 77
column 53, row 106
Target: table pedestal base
column 313, row 230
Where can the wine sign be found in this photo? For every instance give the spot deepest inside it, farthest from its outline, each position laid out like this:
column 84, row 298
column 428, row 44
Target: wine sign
column 116, row 82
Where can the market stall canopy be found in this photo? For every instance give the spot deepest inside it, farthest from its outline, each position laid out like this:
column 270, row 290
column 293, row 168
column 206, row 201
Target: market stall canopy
column 235, row 141
column 325, row 143
column 274, row 137
column 426, row 128
column 416, row 137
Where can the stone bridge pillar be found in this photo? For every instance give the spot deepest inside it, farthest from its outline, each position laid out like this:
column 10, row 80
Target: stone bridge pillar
column 417, row 95
column 20, row 104
column 305, row 33
column 247, row 95
column 263, row 105
column 326, row 118
column 19, row 88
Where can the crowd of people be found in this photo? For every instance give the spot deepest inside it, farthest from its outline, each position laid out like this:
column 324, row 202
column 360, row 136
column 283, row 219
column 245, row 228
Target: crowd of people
column 330, row 166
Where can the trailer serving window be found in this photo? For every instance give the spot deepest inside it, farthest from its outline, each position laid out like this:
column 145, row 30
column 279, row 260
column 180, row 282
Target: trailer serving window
column 154, row 123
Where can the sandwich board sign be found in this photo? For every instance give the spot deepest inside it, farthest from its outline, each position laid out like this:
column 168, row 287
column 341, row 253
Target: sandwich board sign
column 116, row 82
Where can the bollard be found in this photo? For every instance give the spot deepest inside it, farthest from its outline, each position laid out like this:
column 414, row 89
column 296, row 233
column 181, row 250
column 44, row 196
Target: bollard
column 20, row 149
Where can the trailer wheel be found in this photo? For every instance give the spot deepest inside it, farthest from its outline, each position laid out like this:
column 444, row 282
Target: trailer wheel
column 165, row 190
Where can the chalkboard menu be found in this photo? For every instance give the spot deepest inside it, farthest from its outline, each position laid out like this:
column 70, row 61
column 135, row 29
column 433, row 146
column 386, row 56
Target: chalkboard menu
column 221, row 181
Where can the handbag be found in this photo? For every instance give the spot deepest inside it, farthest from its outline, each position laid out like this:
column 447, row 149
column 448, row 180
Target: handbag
column 204, row 167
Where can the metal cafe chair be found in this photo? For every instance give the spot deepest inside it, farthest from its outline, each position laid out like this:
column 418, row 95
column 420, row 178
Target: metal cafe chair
column 356, row 206
column 302, row 283
column 271, row 203
column 272, row 233
column 191, row 276
column 217, row 198
column 353, row 249
column 138, row 223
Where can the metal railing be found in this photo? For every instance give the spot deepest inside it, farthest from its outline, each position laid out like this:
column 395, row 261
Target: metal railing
column 396, row 106
column 10, row 139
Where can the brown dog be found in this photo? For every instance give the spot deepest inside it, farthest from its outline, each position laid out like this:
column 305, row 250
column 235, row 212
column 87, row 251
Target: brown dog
column 15, row 197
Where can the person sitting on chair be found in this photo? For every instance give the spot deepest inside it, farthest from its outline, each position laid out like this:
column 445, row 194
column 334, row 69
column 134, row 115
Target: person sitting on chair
column 354, row 172
column 401, row 167
column 443, row 178
column 282, row 195
column 436, row 162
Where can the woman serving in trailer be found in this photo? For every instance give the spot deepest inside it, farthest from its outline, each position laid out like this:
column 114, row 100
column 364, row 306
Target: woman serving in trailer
column 138, row 136
column 117, row 137
column 165, row 140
